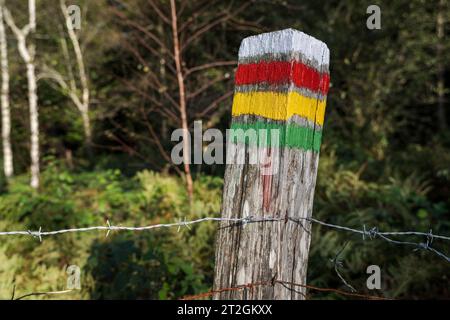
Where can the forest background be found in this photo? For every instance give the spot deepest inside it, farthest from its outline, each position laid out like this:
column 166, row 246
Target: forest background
column 108, row 98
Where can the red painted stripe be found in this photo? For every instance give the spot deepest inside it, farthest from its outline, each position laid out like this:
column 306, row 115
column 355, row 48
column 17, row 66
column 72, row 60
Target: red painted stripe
column 281, row 72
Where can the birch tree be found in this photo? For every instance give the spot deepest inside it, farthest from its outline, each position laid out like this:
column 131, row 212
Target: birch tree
column 6, row 117
column 440, row 34
column 182, row 99
column 163, row 38
column 27, row 53
column 79, row 96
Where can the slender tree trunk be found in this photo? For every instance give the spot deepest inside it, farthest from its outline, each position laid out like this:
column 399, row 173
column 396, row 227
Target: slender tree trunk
column 28, row 53
column 6, row 117
column 182, row 102
column 84, row 108
column 69, row 88
column 87, row 127
column 163, row 76
column 440, row 65
column 34, row 123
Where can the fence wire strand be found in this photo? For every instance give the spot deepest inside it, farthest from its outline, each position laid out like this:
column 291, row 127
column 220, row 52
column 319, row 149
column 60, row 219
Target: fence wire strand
column 290, row 285
column 49, row 293
column 365, row 233
column 339, row 264
column 371, row 233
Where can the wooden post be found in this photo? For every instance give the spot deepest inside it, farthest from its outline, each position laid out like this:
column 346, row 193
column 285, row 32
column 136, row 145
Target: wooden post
column 281, row 86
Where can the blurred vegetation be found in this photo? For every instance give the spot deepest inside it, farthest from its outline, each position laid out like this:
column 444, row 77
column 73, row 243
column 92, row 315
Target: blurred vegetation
column 149, row 265
column 384, row 160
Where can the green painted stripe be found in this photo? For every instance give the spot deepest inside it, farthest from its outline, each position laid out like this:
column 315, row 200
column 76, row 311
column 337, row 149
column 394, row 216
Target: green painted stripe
column 289, row 135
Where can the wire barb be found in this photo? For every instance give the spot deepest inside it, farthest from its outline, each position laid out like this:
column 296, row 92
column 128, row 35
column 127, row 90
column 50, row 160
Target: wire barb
column 372, row 233
column 36, row 234
column 339, row 264
column 108, row 225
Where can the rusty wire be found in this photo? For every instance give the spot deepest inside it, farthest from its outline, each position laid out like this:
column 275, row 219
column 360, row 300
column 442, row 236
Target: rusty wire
column 288, row 283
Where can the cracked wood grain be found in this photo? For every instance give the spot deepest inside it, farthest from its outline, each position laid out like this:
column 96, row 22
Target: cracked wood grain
column 260, row 251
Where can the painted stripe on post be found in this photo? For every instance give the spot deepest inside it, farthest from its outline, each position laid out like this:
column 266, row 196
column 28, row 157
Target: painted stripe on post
column 282, row 72
column 279, row 106
column 289, row 135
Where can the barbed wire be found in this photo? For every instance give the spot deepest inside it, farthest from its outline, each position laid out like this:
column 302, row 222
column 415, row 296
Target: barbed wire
column 286, row 284
column 291, row 286
column 374, row 232
column 371, row 233
column 48, row 293
column 109, row 227
column 339, row 264
column 366, row 233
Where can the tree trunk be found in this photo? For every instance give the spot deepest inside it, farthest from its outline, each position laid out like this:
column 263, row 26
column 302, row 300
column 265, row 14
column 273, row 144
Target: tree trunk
column 27, row 54
column 281, row 85
column 34, row 124
column 440, row 66
column 85, row 96
column 6, row 117
column 86, row 127
column 182, row 102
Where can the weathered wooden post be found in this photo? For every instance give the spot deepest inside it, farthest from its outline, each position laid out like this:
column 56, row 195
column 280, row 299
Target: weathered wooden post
column 281, row 86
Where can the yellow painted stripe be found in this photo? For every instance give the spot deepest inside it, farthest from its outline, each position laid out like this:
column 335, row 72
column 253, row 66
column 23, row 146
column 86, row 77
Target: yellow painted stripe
column 279, row 106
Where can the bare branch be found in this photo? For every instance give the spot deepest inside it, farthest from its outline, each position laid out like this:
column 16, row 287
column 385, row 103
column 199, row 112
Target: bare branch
column 140, row 28
column 132, row 49
column 158, row 143
column 10, row 22
column 78, row 55
column 182, row 98
column 207, row 85
column 165, row 110
column 159, row 12
column 42, row 294
column 150, row 75
column 155, row 52
column 247, row 25
column 197, row 12
column 52, row 74
column 215, row 103
column 210, row 65
column 65, row 50
column 215, row 22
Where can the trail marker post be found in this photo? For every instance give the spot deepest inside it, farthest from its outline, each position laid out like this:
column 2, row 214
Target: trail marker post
column 280, row 95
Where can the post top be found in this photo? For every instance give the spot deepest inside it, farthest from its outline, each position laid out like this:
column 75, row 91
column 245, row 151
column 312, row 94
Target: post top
column 282, row 42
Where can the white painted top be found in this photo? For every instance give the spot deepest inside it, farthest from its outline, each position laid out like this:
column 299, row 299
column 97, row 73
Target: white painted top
column 284, row 42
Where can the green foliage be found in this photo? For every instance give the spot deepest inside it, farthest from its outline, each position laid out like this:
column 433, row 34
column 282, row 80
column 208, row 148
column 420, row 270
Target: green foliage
column 141, row 266
column 161, row 264
column 344, row 197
